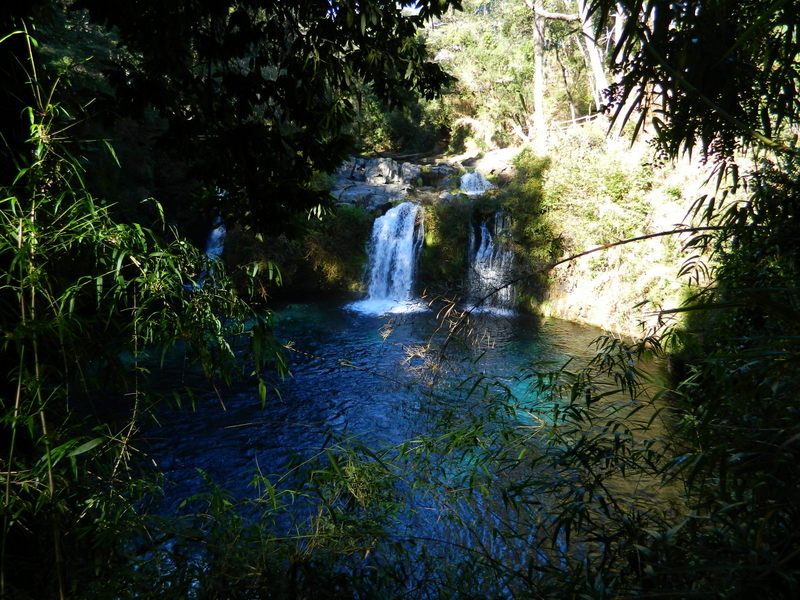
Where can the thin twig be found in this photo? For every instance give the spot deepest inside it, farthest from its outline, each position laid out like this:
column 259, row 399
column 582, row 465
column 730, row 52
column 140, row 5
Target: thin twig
column 550, row 266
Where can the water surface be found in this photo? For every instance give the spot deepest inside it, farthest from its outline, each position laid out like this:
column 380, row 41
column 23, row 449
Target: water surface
column 359, row 375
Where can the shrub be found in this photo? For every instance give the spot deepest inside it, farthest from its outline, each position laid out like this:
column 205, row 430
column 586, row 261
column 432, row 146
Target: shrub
column 535, row 240
column 336, row 248
column 444, row 261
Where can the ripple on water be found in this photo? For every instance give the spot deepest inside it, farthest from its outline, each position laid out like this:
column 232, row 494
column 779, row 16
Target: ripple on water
column 351, row 376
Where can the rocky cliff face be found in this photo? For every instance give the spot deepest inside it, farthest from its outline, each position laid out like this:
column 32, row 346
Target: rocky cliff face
column 372, row 183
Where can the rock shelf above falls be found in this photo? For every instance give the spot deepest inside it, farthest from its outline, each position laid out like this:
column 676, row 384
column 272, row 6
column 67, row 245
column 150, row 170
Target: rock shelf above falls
column 371, row 183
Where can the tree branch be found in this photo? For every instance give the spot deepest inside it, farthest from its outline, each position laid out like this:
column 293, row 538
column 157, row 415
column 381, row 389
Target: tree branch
column 620, row 243
column 551, row 15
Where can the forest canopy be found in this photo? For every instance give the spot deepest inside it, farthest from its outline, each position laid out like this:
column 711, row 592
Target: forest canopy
column 247, row 96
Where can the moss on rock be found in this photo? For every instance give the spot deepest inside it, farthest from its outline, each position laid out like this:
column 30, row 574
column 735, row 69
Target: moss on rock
column 445, row 254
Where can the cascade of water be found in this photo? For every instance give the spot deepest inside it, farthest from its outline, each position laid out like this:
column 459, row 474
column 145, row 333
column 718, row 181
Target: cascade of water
column 490, row 268
column 474, row 184
column 216, row 240
column 393, row 254
column 215, row 244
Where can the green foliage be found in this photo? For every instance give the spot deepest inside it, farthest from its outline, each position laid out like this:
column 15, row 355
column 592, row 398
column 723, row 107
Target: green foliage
column 418, row 127
column 317, row 539
column 336, row 247
column 488, row 47
column 503, row 503
column 444, row 260
column 738, row 390
column 422, row 126
column 79, row 292
column 330, row 255
column 574, row 489
column 372, row 127
column 458, row 139
column 255, row 98
column 534, row 237
column 482, row 47
column 597, row 192
column 523, row 197
column 722, row 71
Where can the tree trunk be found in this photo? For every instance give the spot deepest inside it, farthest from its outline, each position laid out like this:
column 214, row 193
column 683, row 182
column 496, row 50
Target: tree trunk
column 539, row 118
column 599, row 80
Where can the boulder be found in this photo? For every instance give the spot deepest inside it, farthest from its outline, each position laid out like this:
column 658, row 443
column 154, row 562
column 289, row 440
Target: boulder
column 373, row 182
column 370, row 197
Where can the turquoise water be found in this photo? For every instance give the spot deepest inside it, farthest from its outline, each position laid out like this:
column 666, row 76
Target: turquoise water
column 379, row 379
column 431, row 403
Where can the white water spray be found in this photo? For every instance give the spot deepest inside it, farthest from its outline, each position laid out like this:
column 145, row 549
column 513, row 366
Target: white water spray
column 215, row 245
column 490, row 269
column 393, row 253
column 216, row 240
column 474, row 184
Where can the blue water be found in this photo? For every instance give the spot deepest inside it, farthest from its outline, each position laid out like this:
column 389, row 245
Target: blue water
column 396, row 384
column 358, row 376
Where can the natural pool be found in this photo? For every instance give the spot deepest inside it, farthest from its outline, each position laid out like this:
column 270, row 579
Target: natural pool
column 355, row 374
column 433, row 440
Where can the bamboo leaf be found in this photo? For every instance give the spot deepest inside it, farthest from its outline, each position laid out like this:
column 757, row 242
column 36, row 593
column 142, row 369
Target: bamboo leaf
column 334, row 463
column 86, row 446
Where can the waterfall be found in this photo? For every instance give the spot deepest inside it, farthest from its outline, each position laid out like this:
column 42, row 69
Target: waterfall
column 393, row 253
column 216, row 240
column 474, row 184
column 490, row 267
column 215, row 244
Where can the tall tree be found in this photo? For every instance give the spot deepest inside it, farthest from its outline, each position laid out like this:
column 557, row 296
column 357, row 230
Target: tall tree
column 539, row 116
column 598, row 81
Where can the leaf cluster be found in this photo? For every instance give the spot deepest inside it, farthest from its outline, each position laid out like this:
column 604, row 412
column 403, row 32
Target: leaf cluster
column 89, row 307
column 721, row 74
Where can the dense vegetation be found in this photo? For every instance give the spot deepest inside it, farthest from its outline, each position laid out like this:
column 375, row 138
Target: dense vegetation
column 628, row 488
column 204, row 101
column 727, row 77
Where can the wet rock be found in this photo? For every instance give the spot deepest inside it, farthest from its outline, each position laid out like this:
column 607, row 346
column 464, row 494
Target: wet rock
column 370, row 197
